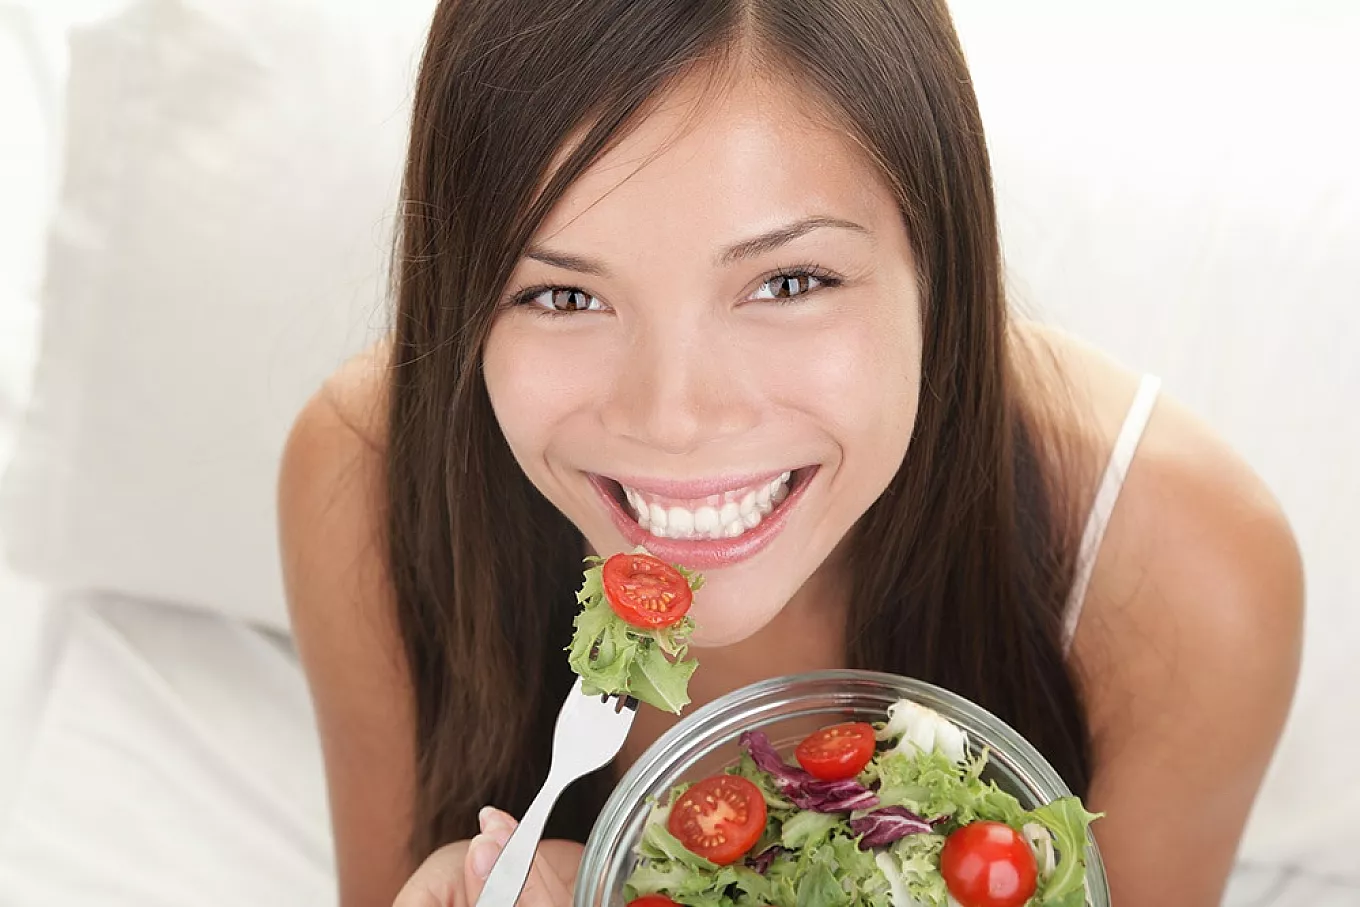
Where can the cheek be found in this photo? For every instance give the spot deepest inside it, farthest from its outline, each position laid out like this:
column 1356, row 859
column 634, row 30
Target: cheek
column 857, row 375
column 525, row 398
column 532, row 383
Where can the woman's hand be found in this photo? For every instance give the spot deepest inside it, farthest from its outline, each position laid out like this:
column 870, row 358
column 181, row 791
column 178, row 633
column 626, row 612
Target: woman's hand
column 453, row 876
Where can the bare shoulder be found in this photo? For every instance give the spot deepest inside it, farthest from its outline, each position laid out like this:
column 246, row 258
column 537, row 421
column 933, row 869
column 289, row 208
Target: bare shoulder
column 343, row 613
column 1189, row 641
column 331, row 479
column 1198, row 549
column 356, row 395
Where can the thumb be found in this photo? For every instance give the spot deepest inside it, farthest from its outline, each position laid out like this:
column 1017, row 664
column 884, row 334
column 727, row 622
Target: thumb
column 544, row 886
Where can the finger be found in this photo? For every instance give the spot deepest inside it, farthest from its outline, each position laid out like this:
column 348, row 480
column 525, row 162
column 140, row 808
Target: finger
column 482, row 853
column 492, row 819
column 439, row 880
column 544, row 886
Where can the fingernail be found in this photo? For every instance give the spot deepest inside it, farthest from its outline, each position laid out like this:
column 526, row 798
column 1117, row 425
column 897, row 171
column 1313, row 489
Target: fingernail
column 485, row 850
column 491, row 819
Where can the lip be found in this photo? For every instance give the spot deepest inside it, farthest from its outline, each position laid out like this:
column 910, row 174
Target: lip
column 705, row 554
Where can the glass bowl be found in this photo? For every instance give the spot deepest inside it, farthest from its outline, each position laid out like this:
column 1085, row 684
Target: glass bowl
column 788, row 708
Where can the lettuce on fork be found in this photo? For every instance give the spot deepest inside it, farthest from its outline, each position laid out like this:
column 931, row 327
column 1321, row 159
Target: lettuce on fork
column 615, row 656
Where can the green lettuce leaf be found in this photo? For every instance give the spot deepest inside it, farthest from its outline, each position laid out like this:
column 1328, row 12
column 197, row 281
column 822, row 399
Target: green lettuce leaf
column 613, row 656
column 658, row 844
column 659, row 682
column 930, row 785
column 748, row 769
column 859, row 874
column 1068, row 822
column 807, row 829
column 919, row 862
column 819, row 887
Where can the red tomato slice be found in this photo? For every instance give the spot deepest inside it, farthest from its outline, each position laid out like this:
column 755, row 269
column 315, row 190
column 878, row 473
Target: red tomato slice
column 720, row 818
column 652, row 900
column 836, row 752
column 646, row 591
column 988, row 864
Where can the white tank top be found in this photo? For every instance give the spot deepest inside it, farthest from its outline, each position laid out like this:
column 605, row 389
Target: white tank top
column 1121, row 458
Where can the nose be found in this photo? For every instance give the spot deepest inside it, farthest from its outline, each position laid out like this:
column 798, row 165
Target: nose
column 679, row 388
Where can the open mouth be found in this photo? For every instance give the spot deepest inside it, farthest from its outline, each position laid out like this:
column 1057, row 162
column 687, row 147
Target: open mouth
column 725, row 522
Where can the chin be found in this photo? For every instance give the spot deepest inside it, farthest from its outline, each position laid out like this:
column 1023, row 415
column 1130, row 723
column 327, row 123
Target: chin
column 725, row 614
column 720, row 633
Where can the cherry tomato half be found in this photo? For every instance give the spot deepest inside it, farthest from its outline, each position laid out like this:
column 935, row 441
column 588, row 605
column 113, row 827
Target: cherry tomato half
column 720, row 818
column 652, row 900
column 836, row 752
column 989, row 864
column 646, row 591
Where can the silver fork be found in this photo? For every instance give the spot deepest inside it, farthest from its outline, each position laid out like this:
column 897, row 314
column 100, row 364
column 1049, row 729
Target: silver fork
column 590, row 732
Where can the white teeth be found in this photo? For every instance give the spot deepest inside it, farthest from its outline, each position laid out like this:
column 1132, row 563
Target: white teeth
column 763, row 497
column 726, row 515
column 679, row 523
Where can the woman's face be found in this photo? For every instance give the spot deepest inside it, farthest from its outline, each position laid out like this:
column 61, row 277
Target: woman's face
column 716, row 349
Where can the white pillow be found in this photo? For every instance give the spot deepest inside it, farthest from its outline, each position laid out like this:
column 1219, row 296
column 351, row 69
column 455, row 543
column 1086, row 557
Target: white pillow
column 219, row 247
column 30, row 79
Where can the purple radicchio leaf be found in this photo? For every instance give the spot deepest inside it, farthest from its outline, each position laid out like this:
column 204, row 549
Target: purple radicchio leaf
column 800, row 786
column 761, row 862
column 884, row 826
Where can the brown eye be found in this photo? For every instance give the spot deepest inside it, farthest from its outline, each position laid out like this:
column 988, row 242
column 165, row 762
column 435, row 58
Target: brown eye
column 791, row 285
column 563, row 300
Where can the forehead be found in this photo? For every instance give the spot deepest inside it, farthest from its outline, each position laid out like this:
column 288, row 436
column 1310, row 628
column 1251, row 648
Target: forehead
column 715, row 161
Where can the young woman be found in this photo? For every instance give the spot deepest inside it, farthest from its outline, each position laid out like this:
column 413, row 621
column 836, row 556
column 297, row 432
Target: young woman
column 662, row 251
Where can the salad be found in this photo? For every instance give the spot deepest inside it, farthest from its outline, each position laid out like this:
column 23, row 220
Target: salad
column 893, row 814
column 630, row 636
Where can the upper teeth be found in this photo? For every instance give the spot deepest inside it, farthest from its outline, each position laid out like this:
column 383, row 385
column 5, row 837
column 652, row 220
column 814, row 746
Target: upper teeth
column 725, row 515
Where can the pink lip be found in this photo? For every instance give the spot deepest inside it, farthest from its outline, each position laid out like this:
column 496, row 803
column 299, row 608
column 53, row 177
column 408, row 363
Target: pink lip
column 709, row 553
column 695, row 489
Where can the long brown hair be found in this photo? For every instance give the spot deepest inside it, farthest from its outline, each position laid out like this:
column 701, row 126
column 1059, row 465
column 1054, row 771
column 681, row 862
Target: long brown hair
column 961, row 567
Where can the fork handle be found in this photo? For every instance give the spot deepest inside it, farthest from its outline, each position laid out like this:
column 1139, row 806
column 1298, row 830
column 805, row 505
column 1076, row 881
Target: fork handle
column 512, row 867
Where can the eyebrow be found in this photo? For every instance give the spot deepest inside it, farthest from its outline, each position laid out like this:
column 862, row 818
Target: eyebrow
column 746, row 248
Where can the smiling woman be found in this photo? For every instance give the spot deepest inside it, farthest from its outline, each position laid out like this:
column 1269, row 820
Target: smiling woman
column 750, row 315
column 723, row 278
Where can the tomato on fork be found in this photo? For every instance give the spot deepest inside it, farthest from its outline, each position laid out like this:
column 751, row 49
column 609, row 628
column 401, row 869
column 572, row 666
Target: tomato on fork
column 646, row 591
column 652, row 900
